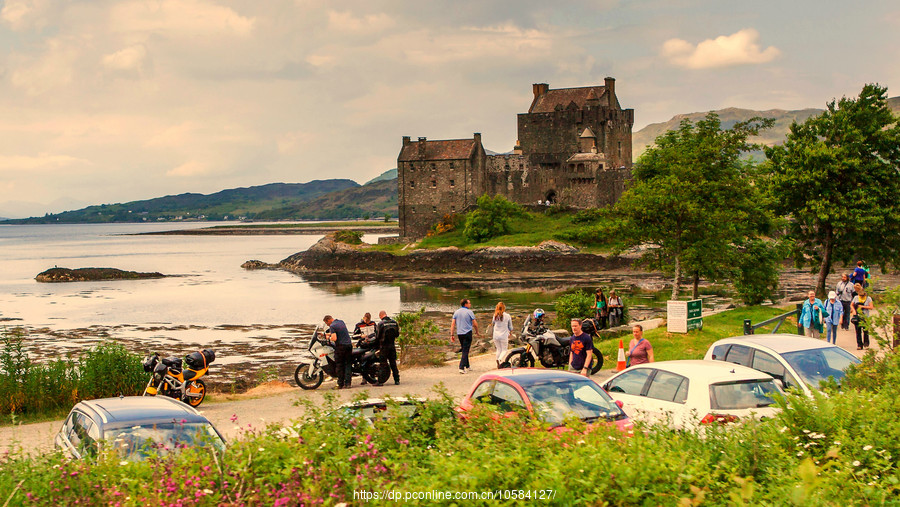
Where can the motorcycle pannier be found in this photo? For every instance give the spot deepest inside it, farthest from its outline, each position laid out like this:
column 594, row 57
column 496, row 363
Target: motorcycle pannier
column 200, row 359
column 150, row 363
column 589, row 326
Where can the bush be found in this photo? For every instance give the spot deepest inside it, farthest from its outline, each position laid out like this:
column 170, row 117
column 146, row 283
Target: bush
column 415, row 331
column 447, row 223
column 348, row 236
column 27, row 387
column 588, row 216
column 573, row 305
column 491, row 218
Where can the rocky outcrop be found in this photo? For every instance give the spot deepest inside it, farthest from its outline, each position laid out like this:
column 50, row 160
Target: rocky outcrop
column 550, row 256
column 92, row 274
column 254, row 264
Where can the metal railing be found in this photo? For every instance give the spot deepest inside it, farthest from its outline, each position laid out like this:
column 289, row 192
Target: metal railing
column 750, row 328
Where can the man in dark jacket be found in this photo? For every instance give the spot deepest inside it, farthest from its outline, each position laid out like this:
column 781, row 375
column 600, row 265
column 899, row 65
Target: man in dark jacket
column 343, row 349
column 386, row 332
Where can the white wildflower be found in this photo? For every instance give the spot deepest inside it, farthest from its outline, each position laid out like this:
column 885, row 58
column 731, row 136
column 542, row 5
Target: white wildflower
column 800, row 454
column 867, row 448
column 208, row 491
column 123, row 463
column 856, row 463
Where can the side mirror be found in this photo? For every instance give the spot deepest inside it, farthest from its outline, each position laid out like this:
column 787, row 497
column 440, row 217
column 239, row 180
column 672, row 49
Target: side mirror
column 619, row 403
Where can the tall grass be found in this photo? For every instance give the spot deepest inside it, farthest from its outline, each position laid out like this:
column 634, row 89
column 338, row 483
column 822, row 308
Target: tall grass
column 33, row 388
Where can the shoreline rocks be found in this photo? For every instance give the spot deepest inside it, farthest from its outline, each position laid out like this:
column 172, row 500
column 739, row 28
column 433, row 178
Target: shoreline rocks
column 58, row 275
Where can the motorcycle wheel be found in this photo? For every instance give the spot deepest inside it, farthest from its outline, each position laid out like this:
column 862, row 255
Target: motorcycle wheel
column 305, row 380
column 195, row 387
column 521, row 360
column 596, row 361
column 376, row 372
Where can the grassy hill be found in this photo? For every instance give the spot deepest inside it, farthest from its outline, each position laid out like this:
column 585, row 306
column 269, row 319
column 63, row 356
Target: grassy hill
column 729, row 116
column 319, row 199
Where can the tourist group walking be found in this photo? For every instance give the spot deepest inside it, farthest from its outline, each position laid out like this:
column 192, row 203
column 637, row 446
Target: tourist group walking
column 849, row 303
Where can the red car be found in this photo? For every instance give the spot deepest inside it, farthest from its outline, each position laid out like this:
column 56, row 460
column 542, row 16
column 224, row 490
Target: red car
column 551, row 395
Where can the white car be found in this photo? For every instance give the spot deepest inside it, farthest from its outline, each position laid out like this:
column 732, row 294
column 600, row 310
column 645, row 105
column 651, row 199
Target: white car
column 797, row 361
column 687, row 393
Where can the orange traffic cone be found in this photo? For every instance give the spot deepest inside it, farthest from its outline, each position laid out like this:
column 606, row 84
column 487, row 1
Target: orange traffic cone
column 620, row 364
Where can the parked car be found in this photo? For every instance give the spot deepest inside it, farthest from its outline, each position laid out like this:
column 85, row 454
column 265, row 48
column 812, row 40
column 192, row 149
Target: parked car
column 551, row 395
column 688, row 393
column 797, row 361
column 379, row 408
column 135, row 426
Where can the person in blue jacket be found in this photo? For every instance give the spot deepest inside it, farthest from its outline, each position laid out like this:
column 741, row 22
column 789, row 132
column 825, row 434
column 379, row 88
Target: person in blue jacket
column 812, row 316
column 835, row 311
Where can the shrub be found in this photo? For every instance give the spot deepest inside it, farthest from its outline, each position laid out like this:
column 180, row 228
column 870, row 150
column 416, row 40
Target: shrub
column 491, row 218
column 348, row 236
column 447, row 223
column 588, row 216
column 757, row 276
column 415, row 332
column 108, row 369
column 573, row 305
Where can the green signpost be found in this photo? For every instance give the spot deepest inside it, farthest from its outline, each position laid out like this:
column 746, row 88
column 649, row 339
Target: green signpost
column 683, row 316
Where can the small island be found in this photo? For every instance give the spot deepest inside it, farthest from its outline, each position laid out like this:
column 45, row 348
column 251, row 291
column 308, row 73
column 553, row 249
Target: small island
column 55, row 275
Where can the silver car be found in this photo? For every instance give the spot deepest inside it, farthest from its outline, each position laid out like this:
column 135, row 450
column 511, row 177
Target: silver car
column 135, row 427
column 797, row 361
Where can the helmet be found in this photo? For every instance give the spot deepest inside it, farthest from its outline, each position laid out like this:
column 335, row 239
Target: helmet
column 538, row 313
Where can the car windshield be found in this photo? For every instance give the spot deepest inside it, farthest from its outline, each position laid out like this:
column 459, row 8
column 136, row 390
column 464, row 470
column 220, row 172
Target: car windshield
column 816, row 365
column 140, row 441
column 554, row 401
column 742, row 394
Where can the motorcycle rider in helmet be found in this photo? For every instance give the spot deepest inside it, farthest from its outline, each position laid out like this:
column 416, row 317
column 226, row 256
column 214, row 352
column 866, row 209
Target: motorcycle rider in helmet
column 536, row 326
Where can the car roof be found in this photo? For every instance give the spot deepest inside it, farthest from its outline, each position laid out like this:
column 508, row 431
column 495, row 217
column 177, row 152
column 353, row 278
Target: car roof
column 140, row 409
column 779, row 343
column 713, row 371
column 530, row 376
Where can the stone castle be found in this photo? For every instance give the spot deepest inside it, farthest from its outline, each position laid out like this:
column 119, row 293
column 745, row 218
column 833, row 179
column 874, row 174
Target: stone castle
column 574, row 148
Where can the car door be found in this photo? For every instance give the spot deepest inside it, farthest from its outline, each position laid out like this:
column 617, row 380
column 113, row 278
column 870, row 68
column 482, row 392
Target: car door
column 738, row 354
column 666, row 397
column 629, row 387
column 767, row 363
column 64, row 439
column 506, row 398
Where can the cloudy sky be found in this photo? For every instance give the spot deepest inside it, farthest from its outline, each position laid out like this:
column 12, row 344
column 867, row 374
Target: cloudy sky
column 111, row 101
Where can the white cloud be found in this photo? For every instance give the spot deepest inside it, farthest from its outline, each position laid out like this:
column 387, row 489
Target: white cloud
column 133, row 59
column 346, row 22
column 739, row 48
column 189, row 169
column 23, row 14
column 190, row 18
column 53, row 69
column 41, row 162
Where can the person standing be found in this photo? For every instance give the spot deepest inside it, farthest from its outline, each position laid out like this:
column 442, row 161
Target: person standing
column 834, row 312
column 386, row 333
column 616, row 309
column 602, row 308
column 365, row 328
column 639, row 349
column 860, row 274
column 501, row 326
column 462, row 326
column 845, row 292
column 581, row 349
column 343, row 350
column 859, row 309
column 812, row 315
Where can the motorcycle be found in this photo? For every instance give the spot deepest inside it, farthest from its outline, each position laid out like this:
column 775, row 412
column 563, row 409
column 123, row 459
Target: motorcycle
column 168, row 378
column 320, row 362
column 542, row 346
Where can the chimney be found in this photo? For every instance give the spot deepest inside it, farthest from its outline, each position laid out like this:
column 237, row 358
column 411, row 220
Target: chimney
column 405, row 140
column 421, row 147
column 477, row 138
column 611, row 92
column 540, row 89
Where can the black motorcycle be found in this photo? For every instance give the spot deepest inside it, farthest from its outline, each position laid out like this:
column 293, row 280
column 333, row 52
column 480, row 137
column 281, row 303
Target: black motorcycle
column 541, row 345
column 320, row 362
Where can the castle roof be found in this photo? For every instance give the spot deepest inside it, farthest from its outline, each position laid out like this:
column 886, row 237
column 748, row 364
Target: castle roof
column 564, row 97
column 449, row 149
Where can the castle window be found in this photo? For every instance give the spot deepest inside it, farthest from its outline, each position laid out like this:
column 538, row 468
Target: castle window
column 433, row 167
column 412, row 184
column 451, row 164
column 620, row 148
column 580, row 167
column 452, row 209
column 600, row 167
column 433, row 184
column 434, row 209
column 413, row 209
column 452, row 183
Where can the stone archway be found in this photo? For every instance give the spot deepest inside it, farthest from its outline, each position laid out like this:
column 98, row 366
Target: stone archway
column 550, row 197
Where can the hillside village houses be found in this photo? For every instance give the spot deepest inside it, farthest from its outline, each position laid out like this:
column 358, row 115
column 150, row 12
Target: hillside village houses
column 574, row 148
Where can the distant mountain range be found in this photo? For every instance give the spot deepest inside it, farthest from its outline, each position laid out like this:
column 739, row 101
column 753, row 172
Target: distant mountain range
column 646, row 136
column 315, row 200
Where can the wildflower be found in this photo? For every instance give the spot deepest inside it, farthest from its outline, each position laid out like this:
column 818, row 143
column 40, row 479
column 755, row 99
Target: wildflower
column 234, row 418
column 322, row 446
column 800, row 454
column 261, row 449
column 867, row 448
column 837, row 443
column 123, row 463
column 207, row 491
column 806, row 431
column 856, row 463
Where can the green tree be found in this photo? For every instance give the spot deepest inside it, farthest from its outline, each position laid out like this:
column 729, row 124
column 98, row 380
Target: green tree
column 491, row 218
column 693, row 203
column 837, row 179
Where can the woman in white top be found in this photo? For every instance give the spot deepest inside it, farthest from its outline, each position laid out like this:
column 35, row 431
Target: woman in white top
column 502, row 326
column 859, row 309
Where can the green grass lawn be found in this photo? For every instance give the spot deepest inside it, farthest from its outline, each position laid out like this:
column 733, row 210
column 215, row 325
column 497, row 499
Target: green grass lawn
column 693, row 345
